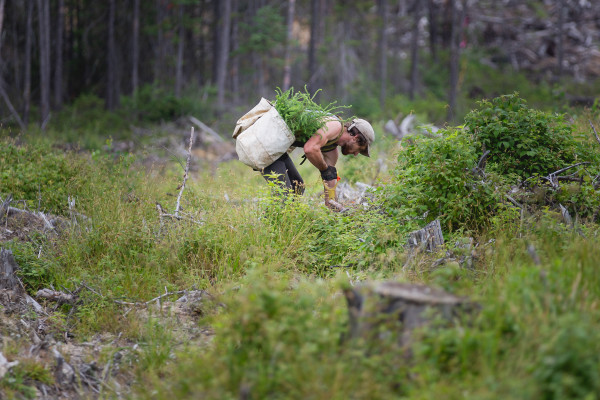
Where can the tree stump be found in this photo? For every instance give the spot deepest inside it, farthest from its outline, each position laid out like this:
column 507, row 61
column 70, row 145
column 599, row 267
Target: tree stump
column 401, row 307
column 8, row 268
column 430, row 237
column 11, row 288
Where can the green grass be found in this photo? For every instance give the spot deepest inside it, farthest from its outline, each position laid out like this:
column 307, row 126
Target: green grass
column 271, row 263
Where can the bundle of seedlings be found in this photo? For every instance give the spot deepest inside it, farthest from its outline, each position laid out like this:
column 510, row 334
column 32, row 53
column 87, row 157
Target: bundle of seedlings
column 302, row 114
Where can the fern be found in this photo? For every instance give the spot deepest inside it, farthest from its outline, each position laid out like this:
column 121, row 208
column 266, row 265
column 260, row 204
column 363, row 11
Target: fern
column 302, row 114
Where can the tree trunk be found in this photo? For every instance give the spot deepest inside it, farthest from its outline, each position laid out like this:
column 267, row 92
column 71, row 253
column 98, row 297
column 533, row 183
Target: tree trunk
column 179, row 68
column 111, row 95
column 2, row 3
column 414, row 51
column 216, row 41
column 287, row 67
column 44, row 45
column 560, row 39
column 313, row 83
column 159, row 47
column 58, row 73
column 235, row 45
column 433, row 30
column 224, row 28
column 382, row 10
column 454, row 58
column 27, row 83
column 135, row 47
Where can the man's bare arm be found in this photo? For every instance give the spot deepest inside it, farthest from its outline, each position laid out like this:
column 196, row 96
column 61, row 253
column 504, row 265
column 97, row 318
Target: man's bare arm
column 312, row 148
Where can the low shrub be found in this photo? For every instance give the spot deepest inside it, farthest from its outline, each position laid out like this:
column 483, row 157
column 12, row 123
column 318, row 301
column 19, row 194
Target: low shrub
column 522, row 140
column 434, row 179
column 39, row 175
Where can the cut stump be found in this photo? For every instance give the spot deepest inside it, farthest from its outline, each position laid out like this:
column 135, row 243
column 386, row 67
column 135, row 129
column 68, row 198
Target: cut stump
column 430, row 237
column 377, row 309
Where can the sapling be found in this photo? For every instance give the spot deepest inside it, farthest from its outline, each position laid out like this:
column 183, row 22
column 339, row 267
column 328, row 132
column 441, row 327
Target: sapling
column 302, row 114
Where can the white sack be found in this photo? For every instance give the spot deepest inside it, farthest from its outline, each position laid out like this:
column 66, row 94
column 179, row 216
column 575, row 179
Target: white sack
column 265, row 140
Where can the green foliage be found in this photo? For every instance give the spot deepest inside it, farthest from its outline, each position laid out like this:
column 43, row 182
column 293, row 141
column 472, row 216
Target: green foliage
column 34, row 270
column 37, row 173
column 569, row 362
column 265, row 31
column 19, row 382
column 434, row 177
column 279, row 339
column 522, row 140
column 154, row 104
column 301, row 114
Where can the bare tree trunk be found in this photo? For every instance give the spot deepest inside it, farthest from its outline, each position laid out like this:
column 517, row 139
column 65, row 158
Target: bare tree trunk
column 433, row 30
column 135, row 47
column 287, row 67
column 313, row 45
column 44, row 45
column 111, row 95
column 216, row 41
column 235, row 45
column 179, row 68
column 3, row 93
column 224, row 27
column 58, row 73
column 454, row 58
column 382, row 9
column 27, row 84
column 2, row 3
column 414, row 51
column 159, row 53
column 560, row 39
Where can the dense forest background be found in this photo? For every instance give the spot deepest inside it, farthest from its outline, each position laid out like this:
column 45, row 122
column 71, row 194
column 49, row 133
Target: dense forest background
column 156, row 60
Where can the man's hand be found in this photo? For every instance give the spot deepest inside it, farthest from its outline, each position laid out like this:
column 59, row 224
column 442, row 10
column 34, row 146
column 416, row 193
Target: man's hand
column 330, row 198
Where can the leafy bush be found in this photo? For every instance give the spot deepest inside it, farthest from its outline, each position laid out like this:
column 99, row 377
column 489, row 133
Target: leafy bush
column 522, row 140
column 434, row 177
column 569, row 363
column 153, row 104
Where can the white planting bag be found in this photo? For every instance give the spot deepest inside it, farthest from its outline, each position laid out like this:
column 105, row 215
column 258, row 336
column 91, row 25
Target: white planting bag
column 262, row 136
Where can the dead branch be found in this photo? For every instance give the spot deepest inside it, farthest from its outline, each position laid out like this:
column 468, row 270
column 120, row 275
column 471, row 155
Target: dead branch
column 56, row 296
column 479, row 169
column 565, row 214
column 145, row 303
column 206, row 128
column 185, row 175
column 553, row 178
column 595, row 133
column 163, row 214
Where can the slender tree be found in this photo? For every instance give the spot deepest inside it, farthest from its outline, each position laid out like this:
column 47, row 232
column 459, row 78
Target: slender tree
column 287, row 66
column 58, row 66
column 44, row 60
column 135, row 47
column 560, row 6
column 382, row 10
column 414, row 50
column 454, row 57
column 315, row 17
column 27, row 78
column 433, row 29
column 180, row 46
column 235, row 47
column 225, row 26
column 111, row 82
